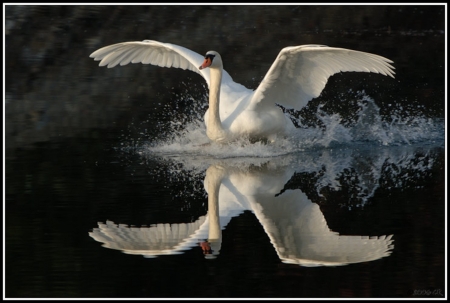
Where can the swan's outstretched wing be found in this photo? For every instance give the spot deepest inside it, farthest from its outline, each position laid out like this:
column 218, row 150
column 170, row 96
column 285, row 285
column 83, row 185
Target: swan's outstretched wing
column 300, row 73
column 151, row 52
column 148, row 52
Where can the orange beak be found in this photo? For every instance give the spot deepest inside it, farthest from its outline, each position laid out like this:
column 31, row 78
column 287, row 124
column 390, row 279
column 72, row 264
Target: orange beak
column 206, row 63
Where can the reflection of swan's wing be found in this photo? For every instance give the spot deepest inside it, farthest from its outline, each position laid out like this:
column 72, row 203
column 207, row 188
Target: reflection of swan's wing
column 300, row 235
column 155, row 53
column 159, row 239
column 300, row 73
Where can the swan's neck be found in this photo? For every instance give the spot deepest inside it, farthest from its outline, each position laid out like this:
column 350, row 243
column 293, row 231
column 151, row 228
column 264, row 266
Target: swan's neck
column 215, row 129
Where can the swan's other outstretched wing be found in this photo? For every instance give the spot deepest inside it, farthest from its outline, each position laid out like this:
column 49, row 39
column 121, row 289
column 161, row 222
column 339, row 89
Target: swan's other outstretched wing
column 300, row 73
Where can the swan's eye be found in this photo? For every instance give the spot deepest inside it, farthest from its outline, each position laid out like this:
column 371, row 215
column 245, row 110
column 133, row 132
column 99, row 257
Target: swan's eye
column 210, row 57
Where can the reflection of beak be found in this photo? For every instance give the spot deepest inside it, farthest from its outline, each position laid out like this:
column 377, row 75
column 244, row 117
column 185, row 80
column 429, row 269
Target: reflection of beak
column 205, row 63
column 206, row 247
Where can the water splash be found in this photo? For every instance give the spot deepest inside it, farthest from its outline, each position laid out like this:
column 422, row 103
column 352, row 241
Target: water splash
column 354, row 175
column 367, row 125
column 183, row 132
column 336, row 152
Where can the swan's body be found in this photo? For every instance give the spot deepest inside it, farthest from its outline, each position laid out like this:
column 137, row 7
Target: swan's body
column 298, row 75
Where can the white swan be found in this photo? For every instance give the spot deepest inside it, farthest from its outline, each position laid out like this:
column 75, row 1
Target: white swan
column 298, row 75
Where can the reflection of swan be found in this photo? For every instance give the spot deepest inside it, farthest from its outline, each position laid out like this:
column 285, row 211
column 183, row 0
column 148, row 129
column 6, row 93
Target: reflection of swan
column 298, row 75
column 296, row 226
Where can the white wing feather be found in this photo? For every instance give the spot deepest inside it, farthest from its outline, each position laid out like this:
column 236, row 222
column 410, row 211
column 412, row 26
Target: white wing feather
column 155, row 53
column 148, row 52
column 300, row 73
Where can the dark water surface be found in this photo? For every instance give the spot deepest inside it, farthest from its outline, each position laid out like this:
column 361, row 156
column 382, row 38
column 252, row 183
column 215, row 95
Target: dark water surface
column 104, row 180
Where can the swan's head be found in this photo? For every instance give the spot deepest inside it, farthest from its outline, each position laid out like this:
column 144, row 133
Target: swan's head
column 212, row 59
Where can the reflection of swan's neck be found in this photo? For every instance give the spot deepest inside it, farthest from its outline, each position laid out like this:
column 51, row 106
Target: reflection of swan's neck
column 213, row 214
column 215, row 130
column 215, row 233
